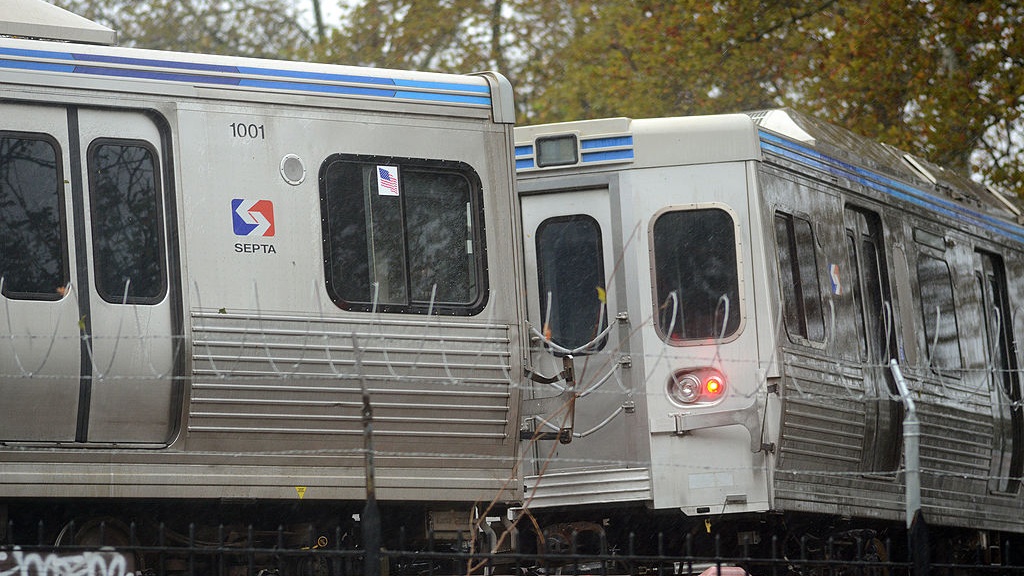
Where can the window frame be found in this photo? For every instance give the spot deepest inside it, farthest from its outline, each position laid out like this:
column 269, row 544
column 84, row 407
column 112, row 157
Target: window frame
column 480, row 271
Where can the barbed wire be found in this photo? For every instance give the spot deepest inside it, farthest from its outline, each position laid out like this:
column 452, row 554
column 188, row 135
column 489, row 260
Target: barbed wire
column 319, row 357
column 980, row 375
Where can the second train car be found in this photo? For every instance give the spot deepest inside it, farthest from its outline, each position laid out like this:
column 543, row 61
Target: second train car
column 716, row 303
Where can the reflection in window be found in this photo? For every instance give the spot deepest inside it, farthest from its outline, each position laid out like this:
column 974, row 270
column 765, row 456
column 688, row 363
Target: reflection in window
column 126, row 222
column 798, row 274
column 938, row 313
column 402, row 235
column 439, row 233
column 855, row 291
column 32, row 242
column 1007, row 450
column 696, row 274
column 883, row 410
column 571, row 273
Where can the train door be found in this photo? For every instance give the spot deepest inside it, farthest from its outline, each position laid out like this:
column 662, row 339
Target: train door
column 40, row 347
column 1004, row 378
column 110, row 327
column 132, row 392
column 875, row 320
column 570, row 262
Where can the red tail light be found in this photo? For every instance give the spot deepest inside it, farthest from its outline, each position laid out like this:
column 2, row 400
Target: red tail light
column 713, row 385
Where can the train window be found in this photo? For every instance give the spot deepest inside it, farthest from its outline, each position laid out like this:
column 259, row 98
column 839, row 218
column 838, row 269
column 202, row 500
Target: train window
column 938, row 314
column 571, row 273
column 33, row 262
column 696, row 274
column 402, row 235
column 127, row 230
column 798, row 274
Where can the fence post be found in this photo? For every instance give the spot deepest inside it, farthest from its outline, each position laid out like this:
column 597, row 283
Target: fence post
column 917, row 533
column 370, row 517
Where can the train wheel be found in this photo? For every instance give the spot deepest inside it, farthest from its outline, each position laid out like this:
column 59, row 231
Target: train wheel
column 874, row 551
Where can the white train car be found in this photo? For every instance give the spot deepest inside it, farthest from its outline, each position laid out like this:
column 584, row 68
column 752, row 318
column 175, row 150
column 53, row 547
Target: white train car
column 715, row 302
column 206, row 261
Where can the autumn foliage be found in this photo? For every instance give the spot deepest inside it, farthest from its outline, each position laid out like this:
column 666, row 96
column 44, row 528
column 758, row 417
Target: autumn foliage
column 943, row 80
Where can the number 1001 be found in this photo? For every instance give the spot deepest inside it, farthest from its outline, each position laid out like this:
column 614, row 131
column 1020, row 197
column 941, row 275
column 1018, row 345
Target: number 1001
column 240, row 130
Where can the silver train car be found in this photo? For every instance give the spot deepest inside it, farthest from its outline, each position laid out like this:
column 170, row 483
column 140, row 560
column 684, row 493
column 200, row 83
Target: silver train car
column 721, row 310
column 207, row 264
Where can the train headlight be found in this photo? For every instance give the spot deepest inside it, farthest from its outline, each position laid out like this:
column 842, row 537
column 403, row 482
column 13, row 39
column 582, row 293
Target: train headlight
column 685, row 389
column 696, row 386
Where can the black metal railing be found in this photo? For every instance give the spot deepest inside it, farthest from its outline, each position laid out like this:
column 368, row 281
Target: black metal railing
column 224, row 551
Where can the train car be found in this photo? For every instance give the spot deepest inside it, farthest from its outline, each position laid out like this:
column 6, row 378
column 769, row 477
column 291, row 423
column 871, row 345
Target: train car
column 722, row 308
column 212, row 266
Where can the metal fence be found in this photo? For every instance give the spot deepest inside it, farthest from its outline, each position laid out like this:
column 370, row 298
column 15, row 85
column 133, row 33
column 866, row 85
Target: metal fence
column 252, row 553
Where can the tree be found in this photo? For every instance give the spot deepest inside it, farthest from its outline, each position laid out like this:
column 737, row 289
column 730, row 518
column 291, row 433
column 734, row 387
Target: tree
column 519, row 38
column 438, row 35
column 942, row 80
column 663, row 57
column 259, row 28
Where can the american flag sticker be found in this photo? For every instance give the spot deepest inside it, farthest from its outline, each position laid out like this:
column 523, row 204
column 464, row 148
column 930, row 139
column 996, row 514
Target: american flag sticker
column 387, row 180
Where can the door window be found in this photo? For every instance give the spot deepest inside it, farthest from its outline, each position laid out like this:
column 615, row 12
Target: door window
column 33, row 261
column 571, row 275
column 126, row 222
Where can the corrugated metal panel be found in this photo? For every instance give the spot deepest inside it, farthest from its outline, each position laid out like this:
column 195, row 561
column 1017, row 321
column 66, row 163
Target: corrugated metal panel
column 824, row 418
column 590, row 487
column 278, row 375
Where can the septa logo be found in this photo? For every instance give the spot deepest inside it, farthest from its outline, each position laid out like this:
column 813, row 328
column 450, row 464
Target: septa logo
column 833, row 272
column 252, row 217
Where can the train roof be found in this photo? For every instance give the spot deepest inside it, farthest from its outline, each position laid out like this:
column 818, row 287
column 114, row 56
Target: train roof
column 842, row 145
column 72, row 63
column 616, row 143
